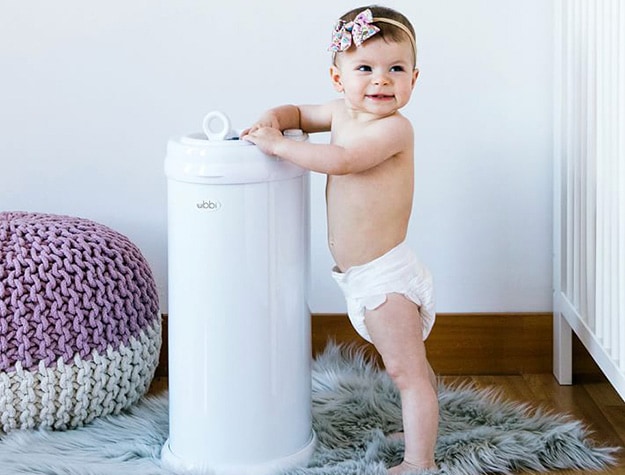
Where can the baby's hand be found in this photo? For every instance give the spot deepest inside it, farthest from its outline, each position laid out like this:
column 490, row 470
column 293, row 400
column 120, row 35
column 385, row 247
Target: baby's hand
column 265, row 138
column 267, row 120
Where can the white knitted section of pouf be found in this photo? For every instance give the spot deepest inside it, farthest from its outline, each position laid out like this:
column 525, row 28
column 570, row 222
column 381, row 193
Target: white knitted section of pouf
column 66, row 396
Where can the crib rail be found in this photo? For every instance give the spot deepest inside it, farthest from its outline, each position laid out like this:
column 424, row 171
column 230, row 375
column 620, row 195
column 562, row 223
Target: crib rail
column 589, row 179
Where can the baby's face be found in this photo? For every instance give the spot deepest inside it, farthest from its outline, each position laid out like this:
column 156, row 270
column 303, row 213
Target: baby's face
column 377, row 77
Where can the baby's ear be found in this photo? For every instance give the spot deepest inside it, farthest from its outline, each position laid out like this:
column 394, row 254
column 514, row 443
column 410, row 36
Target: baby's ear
column 335, row 76
column 415, row 75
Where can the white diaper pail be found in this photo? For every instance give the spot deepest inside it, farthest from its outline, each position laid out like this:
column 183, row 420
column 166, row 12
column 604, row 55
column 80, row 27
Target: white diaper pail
column 239, row 325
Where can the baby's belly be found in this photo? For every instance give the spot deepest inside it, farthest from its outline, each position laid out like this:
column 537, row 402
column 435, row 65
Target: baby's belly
column 364, row 224
column 358, row 245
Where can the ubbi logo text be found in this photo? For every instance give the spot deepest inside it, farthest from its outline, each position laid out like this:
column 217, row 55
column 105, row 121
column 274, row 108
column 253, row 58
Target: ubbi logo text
column 209, row 205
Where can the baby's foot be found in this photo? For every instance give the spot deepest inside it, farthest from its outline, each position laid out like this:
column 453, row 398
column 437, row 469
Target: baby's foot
column 406, row 468
column 395, row 436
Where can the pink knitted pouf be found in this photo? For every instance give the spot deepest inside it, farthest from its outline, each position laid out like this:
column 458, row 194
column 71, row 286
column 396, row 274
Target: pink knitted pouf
column 80, row 330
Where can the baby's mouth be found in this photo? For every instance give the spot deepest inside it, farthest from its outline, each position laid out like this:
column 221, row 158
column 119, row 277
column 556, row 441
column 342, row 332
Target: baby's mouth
column 380, row 97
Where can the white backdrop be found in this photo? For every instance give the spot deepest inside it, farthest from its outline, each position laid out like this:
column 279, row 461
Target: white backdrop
column 91, row 92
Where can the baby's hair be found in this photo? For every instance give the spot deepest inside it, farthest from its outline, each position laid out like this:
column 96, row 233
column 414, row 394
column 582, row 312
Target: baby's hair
column 388, row 31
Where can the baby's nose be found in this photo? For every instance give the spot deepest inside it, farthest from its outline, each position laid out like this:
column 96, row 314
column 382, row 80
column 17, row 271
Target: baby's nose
column 381, row 79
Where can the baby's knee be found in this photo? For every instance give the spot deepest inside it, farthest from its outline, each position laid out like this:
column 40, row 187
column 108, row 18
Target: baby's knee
column 404, row 374
column 408, row 370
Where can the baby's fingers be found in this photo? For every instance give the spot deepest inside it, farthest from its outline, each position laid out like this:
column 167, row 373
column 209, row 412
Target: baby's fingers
column 248, row 138
column 250, row 130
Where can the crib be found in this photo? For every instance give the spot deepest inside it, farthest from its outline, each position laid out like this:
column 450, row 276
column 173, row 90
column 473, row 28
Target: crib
column 589, row 185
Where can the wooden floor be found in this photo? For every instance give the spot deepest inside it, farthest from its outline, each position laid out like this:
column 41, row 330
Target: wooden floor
column 592, row 401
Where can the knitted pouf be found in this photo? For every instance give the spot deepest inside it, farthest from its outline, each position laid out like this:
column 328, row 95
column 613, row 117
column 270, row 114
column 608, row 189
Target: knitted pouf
column 80, row 330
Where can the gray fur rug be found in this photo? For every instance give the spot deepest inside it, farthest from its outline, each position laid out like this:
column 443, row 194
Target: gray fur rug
column 354, row 405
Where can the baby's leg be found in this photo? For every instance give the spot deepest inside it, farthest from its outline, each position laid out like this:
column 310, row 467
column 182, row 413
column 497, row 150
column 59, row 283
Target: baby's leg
column 395, row 329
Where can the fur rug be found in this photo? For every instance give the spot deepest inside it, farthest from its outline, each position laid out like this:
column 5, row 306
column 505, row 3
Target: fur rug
column 354, row 405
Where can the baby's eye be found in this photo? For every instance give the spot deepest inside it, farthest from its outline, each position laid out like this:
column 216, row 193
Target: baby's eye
column 364, row 68
column 397, row 69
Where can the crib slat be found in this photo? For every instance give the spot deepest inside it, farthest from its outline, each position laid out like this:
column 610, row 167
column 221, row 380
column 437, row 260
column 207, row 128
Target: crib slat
column 620, row 159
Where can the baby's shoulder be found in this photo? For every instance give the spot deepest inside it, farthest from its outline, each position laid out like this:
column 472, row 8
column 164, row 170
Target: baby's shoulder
column 395, row 127
column 396, row 120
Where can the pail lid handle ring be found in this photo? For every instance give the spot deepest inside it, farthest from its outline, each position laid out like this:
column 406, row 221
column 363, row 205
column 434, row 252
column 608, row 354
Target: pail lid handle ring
column 210, row 120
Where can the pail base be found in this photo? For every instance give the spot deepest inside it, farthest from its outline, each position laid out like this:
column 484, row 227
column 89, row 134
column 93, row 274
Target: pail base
column 171, row 461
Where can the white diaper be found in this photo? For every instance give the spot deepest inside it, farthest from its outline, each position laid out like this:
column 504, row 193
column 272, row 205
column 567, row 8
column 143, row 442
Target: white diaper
column 398, row 271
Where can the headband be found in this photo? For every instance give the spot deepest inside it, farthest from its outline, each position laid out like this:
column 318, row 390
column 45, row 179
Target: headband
column 361, row 29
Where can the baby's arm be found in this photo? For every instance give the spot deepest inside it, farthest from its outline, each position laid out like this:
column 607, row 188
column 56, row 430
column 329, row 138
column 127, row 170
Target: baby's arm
column 279, row 118
column 359, row 151
column 309, row 118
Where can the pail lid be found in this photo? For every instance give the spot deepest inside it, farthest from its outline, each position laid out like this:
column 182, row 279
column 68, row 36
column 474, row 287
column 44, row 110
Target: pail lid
column 218, row 157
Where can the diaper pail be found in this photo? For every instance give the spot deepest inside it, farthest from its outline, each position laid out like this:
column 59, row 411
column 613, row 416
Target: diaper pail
column 239, row 324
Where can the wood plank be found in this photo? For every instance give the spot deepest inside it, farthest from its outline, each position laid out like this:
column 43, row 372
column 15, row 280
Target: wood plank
column 163, row 362
column 491, row 344
column 158, row 386
column 466, row 343
column 512, row 343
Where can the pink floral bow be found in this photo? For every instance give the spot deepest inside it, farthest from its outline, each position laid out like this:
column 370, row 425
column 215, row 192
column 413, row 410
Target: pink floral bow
column 358, row 31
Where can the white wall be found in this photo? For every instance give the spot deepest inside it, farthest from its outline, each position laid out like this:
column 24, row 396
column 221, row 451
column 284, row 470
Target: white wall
column 91, row 92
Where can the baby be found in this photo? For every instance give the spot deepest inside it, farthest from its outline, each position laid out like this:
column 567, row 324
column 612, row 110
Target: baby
column 369, row 166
